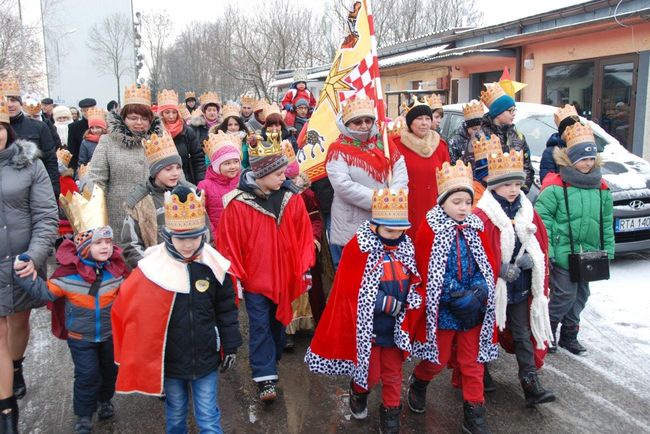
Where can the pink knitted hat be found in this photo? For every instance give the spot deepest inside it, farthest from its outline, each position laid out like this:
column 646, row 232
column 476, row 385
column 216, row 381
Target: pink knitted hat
column 293, row 170
column 225, row 153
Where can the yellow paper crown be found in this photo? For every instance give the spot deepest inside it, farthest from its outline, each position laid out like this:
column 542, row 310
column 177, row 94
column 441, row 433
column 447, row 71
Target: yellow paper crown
column 416, row 102
column 288, row 151
column 357, row 107
column 95, row 113
column 473, row 110
column 9, row 86
column 210, row 98
column 259, row 104
column 158, row 147
column 189, row 94
column 82, row 171
column 216, row 141
column 492, row 92
column 184, row 216
column 167, row 97
column 4, row 112
column 564, row 112
column 259, row 148
column 500, row 163
column 31, row 109
column 85, row 212
column 483, row 147
column 231, row 110
column 185, row 113
column 247, row 99
column 451, row 177
column 137, row 95
column 435, row 102
column 390, row 206
column 63, row 156
column 270, row 109
column 578, row 133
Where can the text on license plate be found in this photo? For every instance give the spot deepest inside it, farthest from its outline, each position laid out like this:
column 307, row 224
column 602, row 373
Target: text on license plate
column 633, row 224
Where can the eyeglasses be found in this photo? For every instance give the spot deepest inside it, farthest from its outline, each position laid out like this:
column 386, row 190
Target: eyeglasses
column 361, row 121
column 136, row 118
column 512, row 110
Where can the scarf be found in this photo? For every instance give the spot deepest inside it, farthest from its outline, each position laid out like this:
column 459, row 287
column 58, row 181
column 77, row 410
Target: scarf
column 210, row 124
column 576, row 178
column 368, row 156
column 92, row 137
column 175, row 128
column 424, row 147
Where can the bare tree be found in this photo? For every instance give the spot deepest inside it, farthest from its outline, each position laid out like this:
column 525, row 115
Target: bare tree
column 156, row 31
column 111, row 41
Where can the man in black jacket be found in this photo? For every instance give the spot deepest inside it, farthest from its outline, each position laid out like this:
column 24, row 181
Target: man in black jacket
column 76, row 130
column 37, row 132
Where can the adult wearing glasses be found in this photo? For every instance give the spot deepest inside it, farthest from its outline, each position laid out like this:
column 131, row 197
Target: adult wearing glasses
column 424, row 151
column 118, row 163
column 499, row 120
column 357, row 165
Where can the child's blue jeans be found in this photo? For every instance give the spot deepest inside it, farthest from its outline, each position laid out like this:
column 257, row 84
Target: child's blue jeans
column 204, row 397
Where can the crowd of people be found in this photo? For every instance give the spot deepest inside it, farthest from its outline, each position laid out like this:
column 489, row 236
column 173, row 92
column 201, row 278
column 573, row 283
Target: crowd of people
column 163, row 218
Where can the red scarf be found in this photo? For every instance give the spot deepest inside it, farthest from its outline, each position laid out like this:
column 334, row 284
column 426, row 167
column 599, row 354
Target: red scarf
column 175, row 128
column 368, row 156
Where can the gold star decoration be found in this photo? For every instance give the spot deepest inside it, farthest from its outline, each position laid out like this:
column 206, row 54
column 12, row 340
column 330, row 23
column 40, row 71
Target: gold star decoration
column 334, row 84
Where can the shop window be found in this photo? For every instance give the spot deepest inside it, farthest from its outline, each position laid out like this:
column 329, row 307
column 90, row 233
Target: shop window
column 570, row 83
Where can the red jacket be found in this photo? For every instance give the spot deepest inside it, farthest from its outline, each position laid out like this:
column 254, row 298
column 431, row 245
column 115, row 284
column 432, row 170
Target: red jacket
column 216, row 186
column 293, row 95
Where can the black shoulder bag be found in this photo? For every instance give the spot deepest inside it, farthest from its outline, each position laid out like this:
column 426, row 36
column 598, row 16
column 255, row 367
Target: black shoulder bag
column 587, row 266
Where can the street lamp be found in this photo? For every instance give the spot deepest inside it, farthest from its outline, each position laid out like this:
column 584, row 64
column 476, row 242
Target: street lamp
column 58, row 61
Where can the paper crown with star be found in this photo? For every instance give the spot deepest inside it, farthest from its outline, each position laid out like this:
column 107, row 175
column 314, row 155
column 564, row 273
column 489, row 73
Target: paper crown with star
column 502, row 164
column 214, row 142
column 186, row 215
column 135, row 94
column 31, row 106
column 4, row 112
column 63, row 156
column 390, row 208
column 356, row 107
column 230, row 110
column 484, row 146
column 452, row 177
column 210, row 98
column 167, row 98
column 9, row 86
column 492, row 92
column 85, row 212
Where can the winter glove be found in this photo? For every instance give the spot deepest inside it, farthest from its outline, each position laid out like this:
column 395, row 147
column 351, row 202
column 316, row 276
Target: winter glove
column 292, row 130
column 228, row 362
column 525, row 262
column 509, row 272
column 288, row 107
column 466, row 307
column 387, row 304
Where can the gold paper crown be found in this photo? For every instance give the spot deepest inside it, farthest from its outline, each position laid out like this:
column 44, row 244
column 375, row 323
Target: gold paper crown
column 390, row 206
column 63, row 156
column 270, row 109
column 85, row 212
column 158, row 147
column 578, row 133
column 9, row 87
column 288, row 151
column 216, row 141
column 189, row 94
column 492, row 92
column 451, row 177
column 210, row 98
column 247, row 99
column 357, row 107
column 184, row 216
column 435, row 102
column 96, row 113
column 167, row 97
column 395, row 127
column 137, row 95
column 259, row 148
column 31, row 109
column 4, row 112
column 483, row 147
column 185, row 113
column 231, row 110
column 259, row 104
column 416, row 102
column 473, row 110
column 564, row 112
column 83, row 170
column 500, row 163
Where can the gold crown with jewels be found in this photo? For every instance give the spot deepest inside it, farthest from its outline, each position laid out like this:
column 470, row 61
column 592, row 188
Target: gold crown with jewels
column 435, row 102
column 184, row 216
column 231, row 109
column 483, row 147
column 450, row 177
column 9, row 86
column 500, row 163
column 390, row 206
column 259, row 148
column 578, row 133
column 85, row 211
column 167, row 97
column 4, row 112
column 216, row 141
column 358, row 106
column 210, row 98
column 473, row 110
column 63, row 156
column 564, row 112
column 137, row 95
column 158, row 147
column 492, row 92
column 288, row 151
column 416, row 102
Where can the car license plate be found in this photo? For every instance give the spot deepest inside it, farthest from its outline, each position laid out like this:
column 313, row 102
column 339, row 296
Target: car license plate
column 633, row 224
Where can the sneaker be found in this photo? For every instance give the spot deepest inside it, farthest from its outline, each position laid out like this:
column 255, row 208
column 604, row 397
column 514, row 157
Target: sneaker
column 267, row 391
column 105, row 410
column 358, row 403
column 83, row 425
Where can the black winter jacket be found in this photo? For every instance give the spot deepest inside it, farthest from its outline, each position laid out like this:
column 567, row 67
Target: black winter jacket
column 203, row 326
column 39, row 133
column 76, row 131
column 189, row 148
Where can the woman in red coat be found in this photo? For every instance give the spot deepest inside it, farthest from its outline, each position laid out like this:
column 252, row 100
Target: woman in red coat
column 424, row 151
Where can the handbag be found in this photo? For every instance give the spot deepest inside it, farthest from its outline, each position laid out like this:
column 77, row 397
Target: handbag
column 587, row 266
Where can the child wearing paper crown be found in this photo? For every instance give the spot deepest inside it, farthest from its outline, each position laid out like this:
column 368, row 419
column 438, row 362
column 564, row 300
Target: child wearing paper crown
column 68, row 185
column 223, row 173
column 266, row 233
column 175, row 320
column 516, row 243
column 363, row 332
column 97, row 127
column 458, row 287
column 88, row 278
column 145, row 204
column 583, row 218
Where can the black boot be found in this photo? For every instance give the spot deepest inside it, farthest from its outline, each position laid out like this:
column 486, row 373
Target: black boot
column 389, row 419
column 534, row 392
column 20, row 388
column 474, row 419
column 358, row 404
column 9, row 415
column 553, row 347
column 105, row 410
column 83, row 425
column 488, row 383
column 417, row 394
column 289, row 344
column 569, row 339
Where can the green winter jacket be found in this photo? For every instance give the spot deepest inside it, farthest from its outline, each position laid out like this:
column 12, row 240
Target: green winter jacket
column 585, row 218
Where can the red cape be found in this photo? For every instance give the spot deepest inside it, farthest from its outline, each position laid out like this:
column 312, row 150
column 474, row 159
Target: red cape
column 269, row 259
column 140, row 316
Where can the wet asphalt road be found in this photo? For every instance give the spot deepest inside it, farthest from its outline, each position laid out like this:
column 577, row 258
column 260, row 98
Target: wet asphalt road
column 606, row 391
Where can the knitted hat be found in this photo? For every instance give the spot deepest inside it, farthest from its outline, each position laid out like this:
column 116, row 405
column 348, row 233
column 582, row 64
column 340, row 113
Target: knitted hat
column 580, row 142
column 453, row 178
column 416, row 109
column 220, row 148
column 160, row 152
column 505, row 167
column 496, row 99
column 265, row 157
column 60, row 112
column 301, row 102
column 390, row 209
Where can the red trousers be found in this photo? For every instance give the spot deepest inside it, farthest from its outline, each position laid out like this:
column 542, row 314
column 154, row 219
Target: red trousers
column 385, row 365
column 467, row 346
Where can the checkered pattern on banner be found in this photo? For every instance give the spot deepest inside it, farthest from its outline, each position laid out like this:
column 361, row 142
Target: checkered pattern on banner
column 362, row 79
